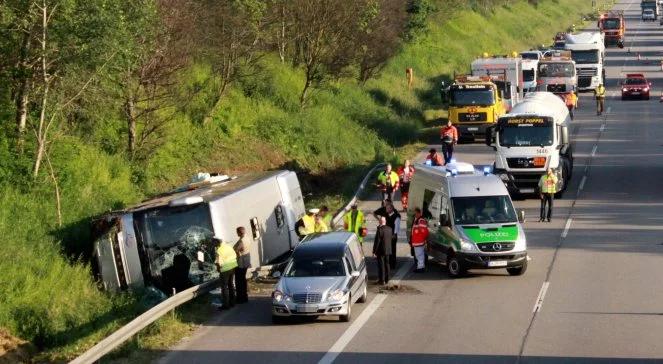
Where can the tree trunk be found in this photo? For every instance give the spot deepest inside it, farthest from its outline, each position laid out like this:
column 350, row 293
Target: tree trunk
column 130, row 111
column 58, row 203
column 43, row 127
column 281, row 36
column 22, row 96
column 304, row 95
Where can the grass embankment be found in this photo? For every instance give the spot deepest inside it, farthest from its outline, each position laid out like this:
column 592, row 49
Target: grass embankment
column 51, row 300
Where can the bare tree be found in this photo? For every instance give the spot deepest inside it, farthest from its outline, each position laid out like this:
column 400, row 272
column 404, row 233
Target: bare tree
column 379, row 32
column 148, row 80
column 323, row 38
column 230, row 32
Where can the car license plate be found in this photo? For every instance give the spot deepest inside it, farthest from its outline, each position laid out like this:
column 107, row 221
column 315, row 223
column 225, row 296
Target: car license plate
column 307, row 308
column 635, row 93
column 473, row 129
column 497, row 263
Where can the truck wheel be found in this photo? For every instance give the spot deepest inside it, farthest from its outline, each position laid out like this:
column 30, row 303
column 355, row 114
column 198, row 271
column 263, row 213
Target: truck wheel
column 564, row 181
column 518, row 271
column 455, row 267
column 348, row 317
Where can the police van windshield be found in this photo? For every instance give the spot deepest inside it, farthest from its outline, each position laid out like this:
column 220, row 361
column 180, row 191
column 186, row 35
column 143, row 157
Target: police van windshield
column 525, row 135
column 472, row 97
column 561, row 69
column 585, row 57
column 483, row 210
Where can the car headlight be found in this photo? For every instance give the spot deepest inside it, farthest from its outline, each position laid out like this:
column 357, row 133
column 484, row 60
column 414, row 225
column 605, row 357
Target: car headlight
column 279, row 296
column 466, row 246
column 521, row 243
column 645, row 89
column 336, row 295
column 624, row 89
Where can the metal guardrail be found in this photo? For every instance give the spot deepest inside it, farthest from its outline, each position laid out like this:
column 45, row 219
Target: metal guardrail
column 127, row 331
column 120, row 336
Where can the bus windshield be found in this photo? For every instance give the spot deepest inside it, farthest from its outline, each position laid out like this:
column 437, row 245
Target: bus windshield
column 472, row 97
column 483, row 210
column 560, row 69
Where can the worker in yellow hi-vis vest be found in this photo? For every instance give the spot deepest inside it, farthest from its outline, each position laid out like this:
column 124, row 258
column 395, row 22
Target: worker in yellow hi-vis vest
column 547, row 189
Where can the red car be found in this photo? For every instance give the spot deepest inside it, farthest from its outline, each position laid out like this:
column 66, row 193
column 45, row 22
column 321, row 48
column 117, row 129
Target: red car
column 635, row 86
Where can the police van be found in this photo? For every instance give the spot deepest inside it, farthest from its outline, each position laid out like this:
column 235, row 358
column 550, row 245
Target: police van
column 473, row 223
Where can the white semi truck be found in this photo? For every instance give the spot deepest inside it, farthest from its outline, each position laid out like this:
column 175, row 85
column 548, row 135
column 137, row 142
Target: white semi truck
column 588, row 52
column 507, row 74
column 533, row 137
column 165, row 241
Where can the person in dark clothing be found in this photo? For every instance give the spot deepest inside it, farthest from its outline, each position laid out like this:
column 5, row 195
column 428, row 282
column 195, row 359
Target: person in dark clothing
column 394, row 222
column 177, row 275
column 382, row 249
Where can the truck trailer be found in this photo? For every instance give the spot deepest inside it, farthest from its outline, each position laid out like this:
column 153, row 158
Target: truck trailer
column 165, row 241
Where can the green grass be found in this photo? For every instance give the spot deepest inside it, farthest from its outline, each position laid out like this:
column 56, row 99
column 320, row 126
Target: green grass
column 47, row 295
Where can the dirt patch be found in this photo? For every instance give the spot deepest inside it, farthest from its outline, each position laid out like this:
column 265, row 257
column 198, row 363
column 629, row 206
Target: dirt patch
column 397, row 289
column 14, row 350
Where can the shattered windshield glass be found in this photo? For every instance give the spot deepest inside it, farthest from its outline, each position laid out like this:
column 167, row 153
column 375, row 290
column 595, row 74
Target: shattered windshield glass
column 177, row 242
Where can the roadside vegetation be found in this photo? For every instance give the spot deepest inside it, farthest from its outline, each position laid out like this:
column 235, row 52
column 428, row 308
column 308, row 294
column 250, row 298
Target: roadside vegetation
column 104, row 103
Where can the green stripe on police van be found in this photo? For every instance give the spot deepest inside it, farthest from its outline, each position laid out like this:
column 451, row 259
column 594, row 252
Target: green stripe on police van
column 489, row 235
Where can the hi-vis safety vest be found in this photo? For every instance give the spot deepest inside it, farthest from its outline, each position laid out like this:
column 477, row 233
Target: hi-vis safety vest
column 309, row 225
column 390, row 181
column 419, row 233
column 548, row 184
column 354, row 225
column 226, row 257
column 600, row 91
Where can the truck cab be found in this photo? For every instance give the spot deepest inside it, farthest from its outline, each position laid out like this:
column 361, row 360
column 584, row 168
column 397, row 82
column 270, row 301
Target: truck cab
column 507, row 74
column 613, row 27
column 588, row 52
column 650, row 5
column 531, row 139
column 473, row 223
column 475, row 103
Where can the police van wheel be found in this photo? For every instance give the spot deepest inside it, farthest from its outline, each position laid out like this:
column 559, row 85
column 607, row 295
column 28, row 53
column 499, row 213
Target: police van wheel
column 518, row 271
column 348, row 317
column 364, row 294
column 455, row 267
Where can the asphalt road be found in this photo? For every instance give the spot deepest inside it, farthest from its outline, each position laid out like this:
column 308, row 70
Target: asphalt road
column 593, row 290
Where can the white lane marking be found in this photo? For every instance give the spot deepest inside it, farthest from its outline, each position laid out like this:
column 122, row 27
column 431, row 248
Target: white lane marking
column 539, row 299
column 594, row 150
column 567, row 227
column 609, row 108
column 602, row 127
column 351, row 331
column 582, row 183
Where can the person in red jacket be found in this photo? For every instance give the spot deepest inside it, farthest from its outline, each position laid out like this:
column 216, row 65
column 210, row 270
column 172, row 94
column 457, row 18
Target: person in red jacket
column 418, row 240
column 449, row 138
column 405, row 173
column 434, row 158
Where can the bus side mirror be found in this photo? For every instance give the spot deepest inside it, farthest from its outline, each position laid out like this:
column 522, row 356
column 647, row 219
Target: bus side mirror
column 565, row 135
column 521, row 216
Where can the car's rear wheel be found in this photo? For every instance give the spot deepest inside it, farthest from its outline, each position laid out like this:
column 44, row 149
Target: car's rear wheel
column 347, row 317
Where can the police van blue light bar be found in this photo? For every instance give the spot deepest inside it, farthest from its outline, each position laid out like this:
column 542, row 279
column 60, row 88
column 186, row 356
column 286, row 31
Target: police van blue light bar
column 486, row 170
column 454, row 172
column 429, row 162
column 452, row 160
